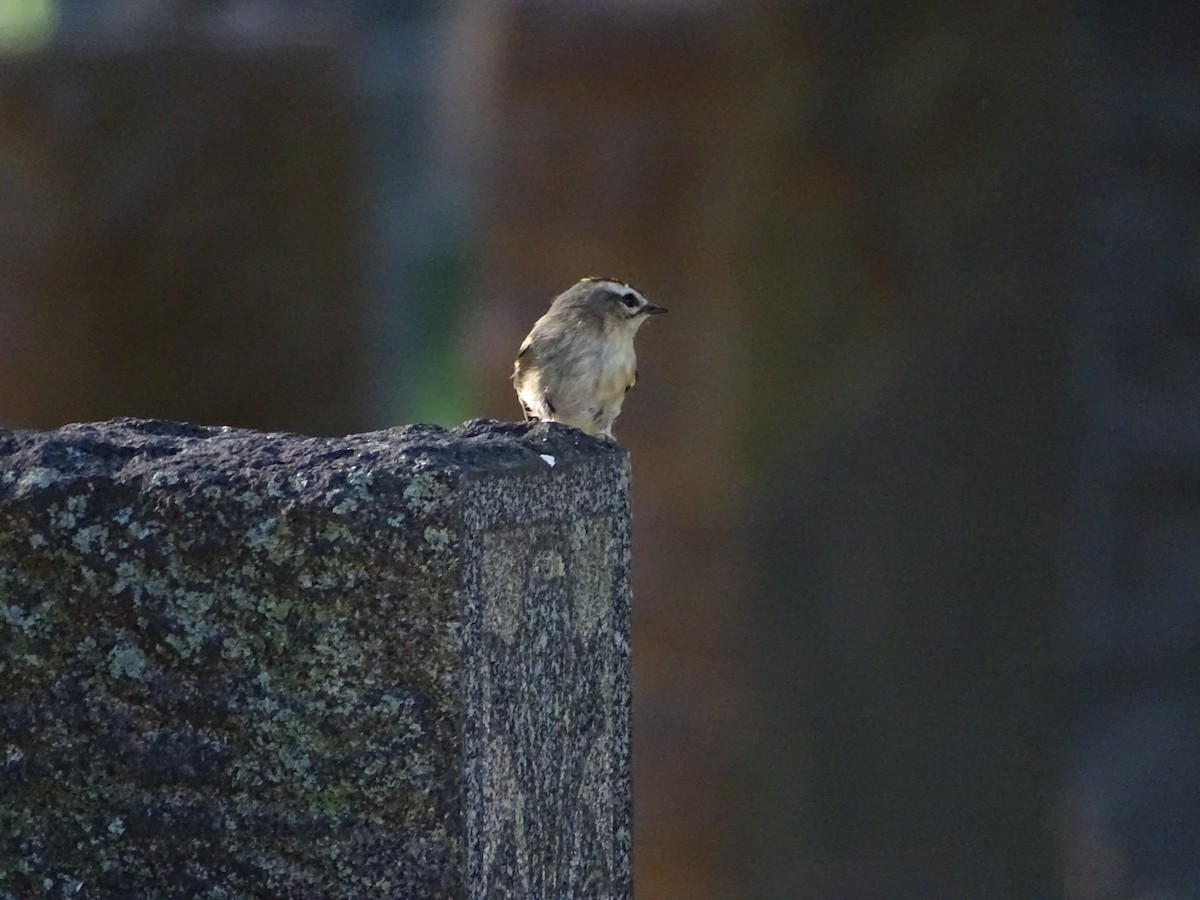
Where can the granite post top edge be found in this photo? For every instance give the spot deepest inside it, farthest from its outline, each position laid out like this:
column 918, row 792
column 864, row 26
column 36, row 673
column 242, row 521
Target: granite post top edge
column 132, row 445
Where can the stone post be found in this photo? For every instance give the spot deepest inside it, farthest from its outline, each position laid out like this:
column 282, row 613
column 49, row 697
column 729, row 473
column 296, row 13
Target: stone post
column 237, row 664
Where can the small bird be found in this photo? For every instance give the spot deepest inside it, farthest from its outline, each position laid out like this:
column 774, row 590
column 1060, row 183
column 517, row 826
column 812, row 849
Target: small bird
column 577, row 363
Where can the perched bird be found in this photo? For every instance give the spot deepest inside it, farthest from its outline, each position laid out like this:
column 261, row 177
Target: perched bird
column 576, row 364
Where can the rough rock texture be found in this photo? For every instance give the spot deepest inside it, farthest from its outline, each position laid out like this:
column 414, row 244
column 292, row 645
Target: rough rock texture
column 236, row 664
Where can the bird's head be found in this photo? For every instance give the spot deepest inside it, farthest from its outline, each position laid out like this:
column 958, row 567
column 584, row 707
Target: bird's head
column 611, row 301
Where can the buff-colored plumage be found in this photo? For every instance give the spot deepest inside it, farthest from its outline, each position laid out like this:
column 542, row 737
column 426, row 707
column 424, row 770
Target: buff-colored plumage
column 578, row 362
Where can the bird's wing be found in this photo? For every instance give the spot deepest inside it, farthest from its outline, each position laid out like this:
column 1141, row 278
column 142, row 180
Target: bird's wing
column 525, row 359
column 535, row 400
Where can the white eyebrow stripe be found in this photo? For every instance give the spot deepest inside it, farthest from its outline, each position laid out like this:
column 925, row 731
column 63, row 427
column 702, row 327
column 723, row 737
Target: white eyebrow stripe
column 611, row 283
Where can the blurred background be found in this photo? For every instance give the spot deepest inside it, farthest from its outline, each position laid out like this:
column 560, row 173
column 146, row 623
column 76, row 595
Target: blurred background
column 916, row 454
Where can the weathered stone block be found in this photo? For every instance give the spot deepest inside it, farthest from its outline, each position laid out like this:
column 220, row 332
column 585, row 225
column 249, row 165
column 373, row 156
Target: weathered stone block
column 236, row 664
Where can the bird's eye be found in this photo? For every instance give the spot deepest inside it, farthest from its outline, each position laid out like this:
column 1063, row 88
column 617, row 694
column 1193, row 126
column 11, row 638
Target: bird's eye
column 630, row 301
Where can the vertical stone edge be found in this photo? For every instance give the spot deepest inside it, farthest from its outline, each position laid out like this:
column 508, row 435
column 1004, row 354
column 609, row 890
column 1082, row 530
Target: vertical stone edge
column 623, row 712
column 623, row 638
column 551, row 508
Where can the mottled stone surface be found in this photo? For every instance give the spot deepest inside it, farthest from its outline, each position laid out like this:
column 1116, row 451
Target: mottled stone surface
column 236, row 664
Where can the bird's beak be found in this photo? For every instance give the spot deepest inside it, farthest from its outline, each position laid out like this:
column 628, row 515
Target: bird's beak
column 651, row 310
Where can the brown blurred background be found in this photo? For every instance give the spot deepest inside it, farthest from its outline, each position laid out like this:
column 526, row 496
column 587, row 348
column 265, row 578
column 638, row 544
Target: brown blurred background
column 916, row 454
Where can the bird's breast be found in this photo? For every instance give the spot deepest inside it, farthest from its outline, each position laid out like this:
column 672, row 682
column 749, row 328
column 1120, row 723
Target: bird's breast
column 617, row 365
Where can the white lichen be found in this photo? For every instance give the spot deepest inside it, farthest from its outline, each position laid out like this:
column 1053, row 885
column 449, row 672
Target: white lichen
column 37, row 477
column 126, row 660
column 426, row 492
column 89, row 534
